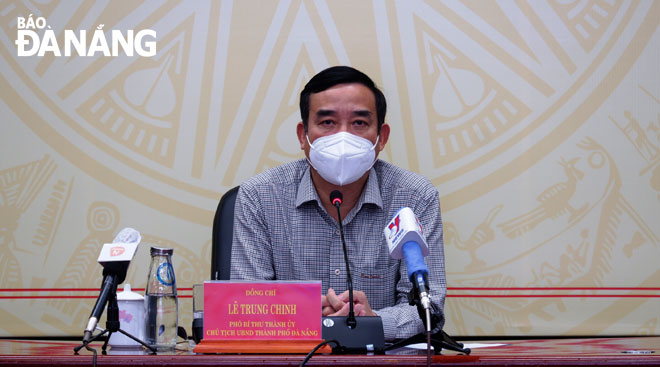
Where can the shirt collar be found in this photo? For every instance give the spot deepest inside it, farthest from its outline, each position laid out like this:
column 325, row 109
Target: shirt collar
column 306, row 190
column 370, row 195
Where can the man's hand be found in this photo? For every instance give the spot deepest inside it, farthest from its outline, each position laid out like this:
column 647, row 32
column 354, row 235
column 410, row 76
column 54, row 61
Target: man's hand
column 331, row 303
column 337, row 305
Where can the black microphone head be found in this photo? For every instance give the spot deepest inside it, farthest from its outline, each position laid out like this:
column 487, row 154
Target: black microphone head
column 336, row 197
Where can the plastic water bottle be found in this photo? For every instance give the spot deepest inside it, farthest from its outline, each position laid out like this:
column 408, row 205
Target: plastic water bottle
column 160, row 300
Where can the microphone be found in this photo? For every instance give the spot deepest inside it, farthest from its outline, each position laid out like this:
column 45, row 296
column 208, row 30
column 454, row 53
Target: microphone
column 405, row 239
column 369, row 336
column 115, row 258
column 336, row 199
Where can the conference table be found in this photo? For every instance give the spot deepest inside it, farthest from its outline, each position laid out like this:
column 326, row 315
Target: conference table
column 615, row 351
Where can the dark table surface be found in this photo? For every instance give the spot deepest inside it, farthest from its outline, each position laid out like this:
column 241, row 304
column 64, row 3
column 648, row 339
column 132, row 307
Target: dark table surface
column 620, row 351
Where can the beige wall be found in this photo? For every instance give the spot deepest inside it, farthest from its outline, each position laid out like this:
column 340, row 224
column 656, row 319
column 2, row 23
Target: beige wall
column 538, row 121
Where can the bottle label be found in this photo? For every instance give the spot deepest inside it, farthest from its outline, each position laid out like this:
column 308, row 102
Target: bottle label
column 165, row 274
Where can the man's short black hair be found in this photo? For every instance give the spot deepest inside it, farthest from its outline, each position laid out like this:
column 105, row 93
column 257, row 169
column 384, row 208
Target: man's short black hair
column 335, row 75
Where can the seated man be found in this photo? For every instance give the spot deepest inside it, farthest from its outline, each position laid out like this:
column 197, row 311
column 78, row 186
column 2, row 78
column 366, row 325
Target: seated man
column 285, row 227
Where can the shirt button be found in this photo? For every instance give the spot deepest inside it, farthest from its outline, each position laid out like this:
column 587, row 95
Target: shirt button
column 337, row 272
column 336, row 231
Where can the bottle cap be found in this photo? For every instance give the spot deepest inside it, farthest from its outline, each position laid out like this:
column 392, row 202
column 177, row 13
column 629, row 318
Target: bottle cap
column 161, row 251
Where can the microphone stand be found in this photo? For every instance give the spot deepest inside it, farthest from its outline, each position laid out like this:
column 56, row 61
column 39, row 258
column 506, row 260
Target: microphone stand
column 439, row 339
column 358, row 336
column 112, row 325
column 350, row 321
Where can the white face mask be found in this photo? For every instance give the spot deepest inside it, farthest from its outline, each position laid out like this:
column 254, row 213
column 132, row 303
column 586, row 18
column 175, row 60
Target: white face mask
column 342, row 158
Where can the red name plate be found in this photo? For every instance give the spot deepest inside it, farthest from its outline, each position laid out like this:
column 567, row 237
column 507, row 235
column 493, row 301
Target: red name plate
column 277, row 310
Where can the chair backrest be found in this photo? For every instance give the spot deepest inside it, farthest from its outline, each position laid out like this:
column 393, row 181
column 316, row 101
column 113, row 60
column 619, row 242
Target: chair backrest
column 221, row 239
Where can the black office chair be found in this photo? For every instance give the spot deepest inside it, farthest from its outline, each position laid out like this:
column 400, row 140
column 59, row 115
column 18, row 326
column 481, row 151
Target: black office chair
column 223, row 232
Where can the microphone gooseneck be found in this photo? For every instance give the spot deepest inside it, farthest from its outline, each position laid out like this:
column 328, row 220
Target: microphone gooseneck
column 336, row 199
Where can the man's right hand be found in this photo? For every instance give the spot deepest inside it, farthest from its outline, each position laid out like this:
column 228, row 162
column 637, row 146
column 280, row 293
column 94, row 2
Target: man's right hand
column 331, row 303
